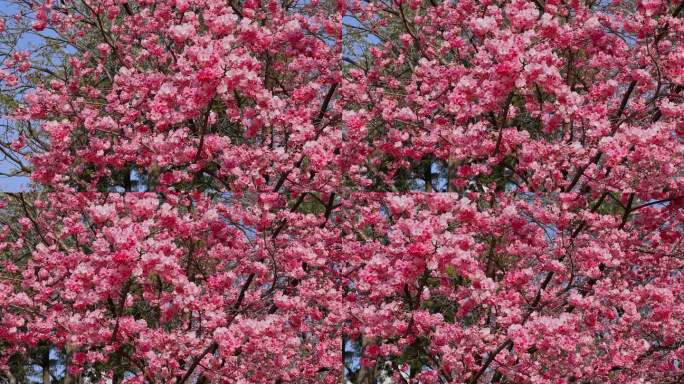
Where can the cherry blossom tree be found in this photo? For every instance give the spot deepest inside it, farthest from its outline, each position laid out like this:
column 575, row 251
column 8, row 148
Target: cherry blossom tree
column 345, row 191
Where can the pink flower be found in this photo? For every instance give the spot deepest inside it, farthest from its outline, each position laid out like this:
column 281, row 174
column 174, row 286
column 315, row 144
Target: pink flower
column 19, row 143
column 183, row 32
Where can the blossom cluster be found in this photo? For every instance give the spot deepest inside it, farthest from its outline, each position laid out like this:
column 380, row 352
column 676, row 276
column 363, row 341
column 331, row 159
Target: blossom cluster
column 277, row 143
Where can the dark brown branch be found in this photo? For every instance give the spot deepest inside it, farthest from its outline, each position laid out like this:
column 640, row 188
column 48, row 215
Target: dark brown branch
column 211, row 348
column 490, row 359
column 656, row 202
column 328, row 209
column 127, row 9
column 296, row 205
column 502, row 121
column 615, row 120
column 316, row 122
column 627, row 212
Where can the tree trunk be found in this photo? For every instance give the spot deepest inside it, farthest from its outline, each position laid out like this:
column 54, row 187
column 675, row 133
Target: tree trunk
column 68, row 377
column 452, row 166
column 366, row 375
column 427, row 174
column 10, row 377
column 45, row 364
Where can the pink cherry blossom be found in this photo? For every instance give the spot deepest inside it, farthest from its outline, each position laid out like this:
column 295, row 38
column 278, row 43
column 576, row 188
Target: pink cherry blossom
column 365, row 192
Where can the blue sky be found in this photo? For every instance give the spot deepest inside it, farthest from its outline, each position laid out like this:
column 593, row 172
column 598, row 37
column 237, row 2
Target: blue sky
column 10, row 184
column 14, row 184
